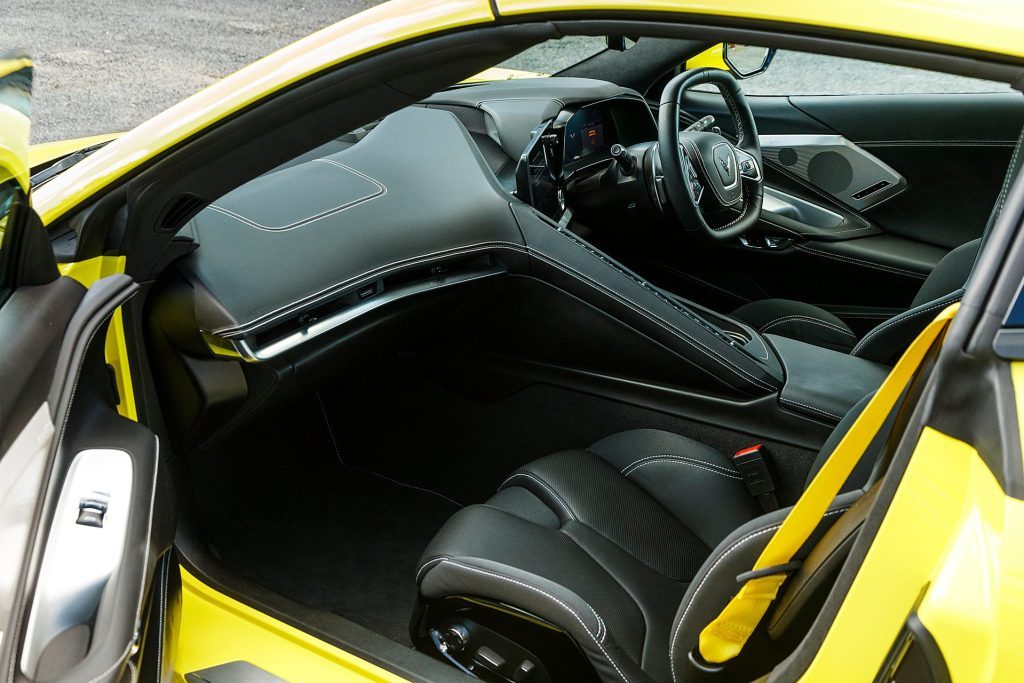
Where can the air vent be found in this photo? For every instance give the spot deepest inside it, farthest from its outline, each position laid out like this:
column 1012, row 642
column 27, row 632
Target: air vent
column 867, row 191
column 368, row 296
column 180, row 211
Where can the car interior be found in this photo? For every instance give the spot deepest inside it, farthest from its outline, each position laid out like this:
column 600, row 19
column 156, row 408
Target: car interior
column 518, row 375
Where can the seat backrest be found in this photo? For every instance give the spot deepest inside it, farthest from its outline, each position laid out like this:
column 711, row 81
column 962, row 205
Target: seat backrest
column 943, row 286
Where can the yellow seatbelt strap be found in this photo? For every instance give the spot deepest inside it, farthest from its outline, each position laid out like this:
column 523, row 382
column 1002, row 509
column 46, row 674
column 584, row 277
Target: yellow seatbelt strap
column 723, row 638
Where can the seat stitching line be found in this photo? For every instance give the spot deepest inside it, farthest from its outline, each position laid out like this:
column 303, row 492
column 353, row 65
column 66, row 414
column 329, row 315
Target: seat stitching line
column 900, row 318
column 678, row 460
column 601, row 629
column 806, row 318
column 734, row 546
column 430, row 563
column 597, row 641
column 684, row 457
column 543, row 483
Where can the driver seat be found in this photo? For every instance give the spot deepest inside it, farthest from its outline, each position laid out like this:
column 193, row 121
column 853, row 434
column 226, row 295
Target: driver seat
column 883, row 344
column 623, row 552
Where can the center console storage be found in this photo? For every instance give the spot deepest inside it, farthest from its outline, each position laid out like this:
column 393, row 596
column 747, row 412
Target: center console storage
column 822, row 383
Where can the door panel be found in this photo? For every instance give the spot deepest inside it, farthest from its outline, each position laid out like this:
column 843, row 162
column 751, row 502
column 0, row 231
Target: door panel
column 952, row 151
column 96, row 532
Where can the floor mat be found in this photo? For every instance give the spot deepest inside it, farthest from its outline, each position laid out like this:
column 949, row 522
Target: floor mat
column 279, row 508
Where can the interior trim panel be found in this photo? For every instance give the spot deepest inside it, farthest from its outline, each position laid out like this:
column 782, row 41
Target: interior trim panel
column 836, row 165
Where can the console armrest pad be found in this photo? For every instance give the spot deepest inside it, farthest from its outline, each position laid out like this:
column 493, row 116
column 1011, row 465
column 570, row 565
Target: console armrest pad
column 823, row 383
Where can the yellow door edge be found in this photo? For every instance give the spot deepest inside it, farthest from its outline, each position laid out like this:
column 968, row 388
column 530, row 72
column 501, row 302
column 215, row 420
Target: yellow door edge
column 952, row 534
column 86, row 272
column 217, row 629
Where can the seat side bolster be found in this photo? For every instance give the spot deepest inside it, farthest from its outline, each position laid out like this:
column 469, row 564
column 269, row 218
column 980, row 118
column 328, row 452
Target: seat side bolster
column 886, row 342
column 445, row 576
column 715, row 584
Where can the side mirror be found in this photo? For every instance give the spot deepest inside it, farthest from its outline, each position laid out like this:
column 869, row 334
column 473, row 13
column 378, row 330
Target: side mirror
column 745, row 61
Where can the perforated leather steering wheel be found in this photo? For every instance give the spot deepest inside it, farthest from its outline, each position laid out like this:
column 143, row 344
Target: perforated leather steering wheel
column 704, row 173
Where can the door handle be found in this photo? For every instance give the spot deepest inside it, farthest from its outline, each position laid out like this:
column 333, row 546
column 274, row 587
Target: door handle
column 83, row 548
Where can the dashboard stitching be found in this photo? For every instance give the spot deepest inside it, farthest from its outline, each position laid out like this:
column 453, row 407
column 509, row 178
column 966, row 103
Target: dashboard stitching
column 521, row 99
column 381, row 191
column 376, row 272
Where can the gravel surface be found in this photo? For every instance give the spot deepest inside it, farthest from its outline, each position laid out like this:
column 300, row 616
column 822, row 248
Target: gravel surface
column 105, row 65
column 108, row 65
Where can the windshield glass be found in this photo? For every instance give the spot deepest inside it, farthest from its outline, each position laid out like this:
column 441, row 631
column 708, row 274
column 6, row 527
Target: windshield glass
column 553, row 56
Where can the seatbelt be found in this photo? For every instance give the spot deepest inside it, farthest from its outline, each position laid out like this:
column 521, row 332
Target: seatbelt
column 724, row 638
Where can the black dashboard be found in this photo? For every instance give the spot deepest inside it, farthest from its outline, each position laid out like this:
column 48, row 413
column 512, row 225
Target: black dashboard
column 418, row 210
column 576, row 143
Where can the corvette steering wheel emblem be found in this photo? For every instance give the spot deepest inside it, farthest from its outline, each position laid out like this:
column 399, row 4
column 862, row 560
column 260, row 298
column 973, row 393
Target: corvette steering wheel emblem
column 723, row 159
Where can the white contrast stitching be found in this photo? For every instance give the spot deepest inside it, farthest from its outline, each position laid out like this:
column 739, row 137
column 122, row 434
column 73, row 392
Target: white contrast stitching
column 381, row 191
column 563, row 605
column 710, row 466
column 550, row 490
column 857, row 261
column 734, row 546
column 804, row 405
column 430, row 563
column 681, row 461
column 805, row 318
column 900, row 318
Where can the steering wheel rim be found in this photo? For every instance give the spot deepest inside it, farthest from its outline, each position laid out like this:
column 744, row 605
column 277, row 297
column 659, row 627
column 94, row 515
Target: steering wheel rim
column 713, row 155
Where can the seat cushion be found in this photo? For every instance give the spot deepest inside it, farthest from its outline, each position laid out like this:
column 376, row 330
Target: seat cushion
column 603, row 542
column 798, row 320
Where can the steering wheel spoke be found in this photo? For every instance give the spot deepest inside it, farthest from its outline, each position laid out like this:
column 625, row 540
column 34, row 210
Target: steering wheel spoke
column 749, row 167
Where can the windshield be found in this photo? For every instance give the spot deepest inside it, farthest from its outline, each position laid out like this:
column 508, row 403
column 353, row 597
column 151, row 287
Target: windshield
column 547, row 58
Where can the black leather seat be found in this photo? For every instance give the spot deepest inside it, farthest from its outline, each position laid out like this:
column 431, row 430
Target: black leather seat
column 630, row 546
column 883, row 344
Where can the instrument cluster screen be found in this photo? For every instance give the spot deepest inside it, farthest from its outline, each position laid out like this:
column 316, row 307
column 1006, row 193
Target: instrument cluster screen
column 588, row 132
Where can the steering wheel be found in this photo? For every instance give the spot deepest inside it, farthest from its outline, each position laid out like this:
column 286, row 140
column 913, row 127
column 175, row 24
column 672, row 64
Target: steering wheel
column 705, row 174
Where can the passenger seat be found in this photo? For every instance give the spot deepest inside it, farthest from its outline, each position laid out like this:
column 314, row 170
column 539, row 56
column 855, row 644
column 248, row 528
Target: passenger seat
column 629, row 548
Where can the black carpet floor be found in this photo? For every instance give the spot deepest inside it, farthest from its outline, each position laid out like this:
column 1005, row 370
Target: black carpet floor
column 331, row 500
column 280, row 508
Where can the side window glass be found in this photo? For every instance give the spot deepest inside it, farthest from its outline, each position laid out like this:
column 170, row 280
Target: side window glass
column 801, row 73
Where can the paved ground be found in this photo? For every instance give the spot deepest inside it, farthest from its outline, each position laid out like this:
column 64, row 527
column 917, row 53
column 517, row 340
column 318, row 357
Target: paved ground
column 107, row 65
column 104, row 65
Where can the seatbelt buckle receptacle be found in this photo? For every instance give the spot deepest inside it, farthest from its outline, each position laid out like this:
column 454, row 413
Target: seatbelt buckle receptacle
column 752, row 466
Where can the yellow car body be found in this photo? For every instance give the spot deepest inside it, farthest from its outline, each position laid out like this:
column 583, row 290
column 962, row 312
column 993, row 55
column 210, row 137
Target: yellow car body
column 951, row 526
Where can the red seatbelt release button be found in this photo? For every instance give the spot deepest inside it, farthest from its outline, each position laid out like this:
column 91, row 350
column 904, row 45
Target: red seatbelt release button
column 753, row 468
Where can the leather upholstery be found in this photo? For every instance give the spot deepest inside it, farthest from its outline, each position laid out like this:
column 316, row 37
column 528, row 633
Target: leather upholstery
column 630, row 546
column 883, row 344
column 825, row 395
column 798, row 320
